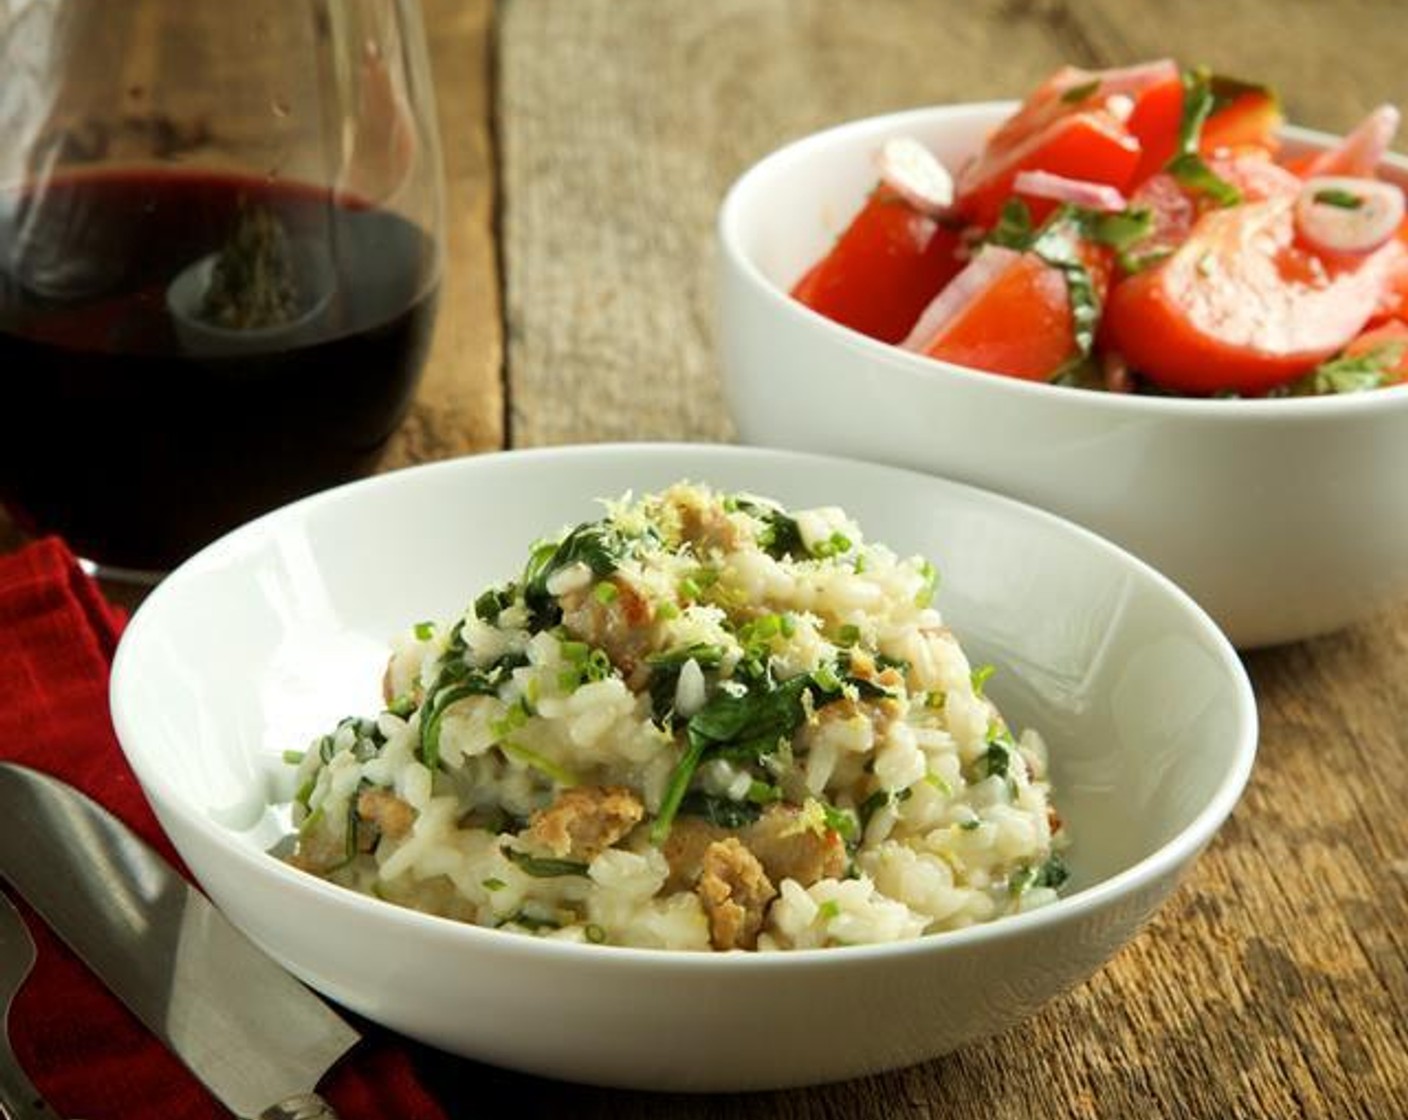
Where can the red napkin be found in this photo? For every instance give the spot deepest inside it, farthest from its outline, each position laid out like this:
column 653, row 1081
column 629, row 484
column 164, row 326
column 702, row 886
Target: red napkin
column 83, row 1050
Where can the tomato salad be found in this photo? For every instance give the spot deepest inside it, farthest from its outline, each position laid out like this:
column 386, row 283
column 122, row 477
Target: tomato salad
column 1136, row 230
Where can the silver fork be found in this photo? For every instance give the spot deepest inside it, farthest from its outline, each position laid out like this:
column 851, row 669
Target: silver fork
column 19, row 1099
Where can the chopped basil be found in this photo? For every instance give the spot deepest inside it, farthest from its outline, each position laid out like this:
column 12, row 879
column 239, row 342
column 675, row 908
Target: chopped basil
column 1226, row 90
column 1349, row 374
column 543, row 867
column 1055, row 243
column 424, row 631
column 1120, row 230
column 1076, row 94
column 1187, row 164
column 998, row 760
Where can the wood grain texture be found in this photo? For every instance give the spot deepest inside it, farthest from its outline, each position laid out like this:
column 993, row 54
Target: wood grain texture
column 1275, row 982
column 459, row 406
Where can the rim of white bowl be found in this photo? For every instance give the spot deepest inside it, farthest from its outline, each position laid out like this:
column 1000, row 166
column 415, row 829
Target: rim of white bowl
column 741, row 198
column 1154, row 867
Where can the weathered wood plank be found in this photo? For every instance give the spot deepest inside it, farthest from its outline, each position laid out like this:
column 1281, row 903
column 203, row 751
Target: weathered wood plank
column 623, row 122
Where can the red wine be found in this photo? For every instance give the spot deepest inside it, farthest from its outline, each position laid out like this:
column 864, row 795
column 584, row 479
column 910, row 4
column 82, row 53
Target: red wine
column 180, row 351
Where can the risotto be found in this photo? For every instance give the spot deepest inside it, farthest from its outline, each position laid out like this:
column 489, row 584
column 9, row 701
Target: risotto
column 700, row 722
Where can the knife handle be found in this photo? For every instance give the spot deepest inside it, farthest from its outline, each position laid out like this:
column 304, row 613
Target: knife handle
column 303, row 1106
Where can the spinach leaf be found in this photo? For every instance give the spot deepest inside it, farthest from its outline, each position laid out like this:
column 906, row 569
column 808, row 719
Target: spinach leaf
column 597, row 544
column 750, row 724
column 997, row 760
column 458, row 681
column 1055, row 244
column 665, row 675
column 721, row 811
column 541, row 867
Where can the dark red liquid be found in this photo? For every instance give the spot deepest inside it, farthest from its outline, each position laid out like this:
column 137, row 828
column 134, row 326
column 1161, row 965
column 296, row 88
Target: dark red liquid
column 139, row 442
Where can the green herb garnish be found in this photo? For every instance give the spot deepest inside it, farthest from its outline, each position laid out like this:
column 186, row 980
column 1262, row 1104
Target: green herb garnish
column 543, row 867
column 1338, row 197
column 1076, row 94
column 721, row 811
column 1187, row 164
column 1350, row 374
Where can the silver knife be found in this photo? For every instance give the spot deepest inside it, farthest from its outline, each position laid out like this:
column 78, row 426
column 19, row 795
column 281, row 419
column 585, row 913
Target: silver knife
column 252, row 1034
column 19, row 1099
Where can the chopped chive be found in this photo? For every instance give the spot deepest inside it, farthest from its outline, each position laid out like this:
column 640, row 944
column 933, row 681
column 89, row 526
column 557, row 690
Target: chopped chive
column 559, row 774
column 293, row 758
column 606, row 592
column 424, row 631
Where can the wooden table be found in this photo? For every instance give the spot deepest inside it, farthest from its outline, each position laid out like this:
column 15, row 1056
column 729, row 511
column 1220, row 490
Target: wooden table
column 588, row 144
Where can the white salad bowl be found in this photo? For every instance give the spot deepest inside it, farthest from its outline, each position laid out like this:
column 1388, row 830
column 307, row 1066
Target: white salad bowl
column 1284, row 518
column 270, row 635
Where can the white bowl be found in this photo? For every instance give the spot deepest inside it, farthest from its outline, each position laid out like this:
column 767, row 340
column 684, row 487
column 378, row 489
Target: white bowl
column 276, row 631
column 1284, row 518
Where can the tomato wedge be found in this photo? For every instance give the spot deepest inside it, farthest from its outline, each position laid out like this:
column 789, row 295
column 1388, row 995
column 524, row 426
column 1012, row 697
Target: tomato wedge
column 1008, row 312
column 1240, row 306
column 1072, row 126
column 883, row 270
column 1248, row 118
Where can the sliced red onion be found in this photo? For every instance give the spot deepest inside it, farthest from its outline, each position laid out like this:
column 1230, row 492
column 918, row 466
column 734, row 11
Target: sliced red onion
column 914, row 173
column 1362, row 149
column 1078, row 192
column 1341, row 214
column 981, row 271
column 1125, row 80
